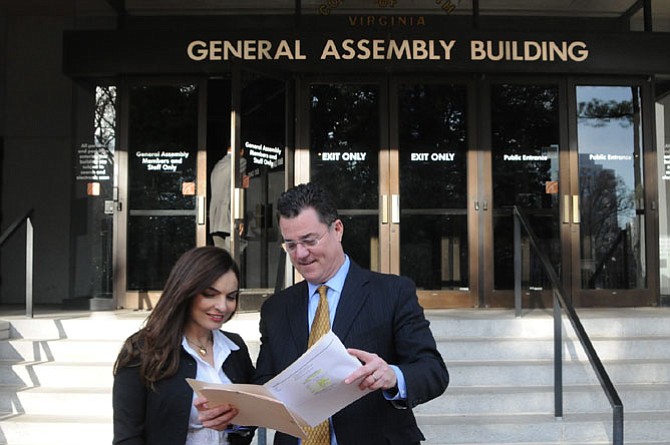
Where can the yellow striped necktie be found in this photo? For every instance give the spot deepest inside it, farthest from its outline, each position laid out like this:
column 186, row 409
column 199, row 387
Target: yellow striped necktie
column 320, row 434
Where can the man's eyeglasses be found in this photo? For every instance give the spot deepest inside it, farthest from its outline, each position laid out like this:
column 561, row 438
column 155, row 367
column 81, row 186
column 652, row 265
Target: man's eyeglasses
column 291, row 246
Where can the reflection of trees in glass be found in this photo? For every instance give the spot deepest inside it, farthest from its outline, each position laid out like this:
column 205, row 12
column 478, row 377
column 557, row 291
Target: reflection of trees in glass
column 100, row 224
column 263, row 109
column 599, row 113
column 604, row 196
column 105, row 117
column 345, row 119
column 432, row 119
column 162, row 118
column 432, row 123
column 612, row 247
column 524, row 121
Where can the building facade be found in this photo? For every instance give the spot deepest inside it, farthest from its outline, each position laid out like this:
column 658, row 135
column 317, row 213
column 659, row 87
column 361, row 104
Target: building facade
column 429, row 121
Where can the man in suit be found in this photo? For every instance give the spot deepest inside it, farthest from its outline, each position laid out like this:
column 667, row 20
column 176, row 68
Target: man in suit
column 219, row 205
column 376, row 316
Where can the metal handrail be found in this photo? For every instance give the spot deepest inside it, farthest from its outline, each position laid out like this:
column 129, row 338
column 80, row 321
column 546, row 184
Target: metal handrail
column 560, row 302
column 9, row 231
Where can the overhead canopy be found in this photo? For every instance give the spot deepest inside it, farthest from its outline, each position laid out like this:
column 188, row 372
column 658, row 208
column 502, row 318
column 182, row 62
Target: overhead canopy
column 398, row 48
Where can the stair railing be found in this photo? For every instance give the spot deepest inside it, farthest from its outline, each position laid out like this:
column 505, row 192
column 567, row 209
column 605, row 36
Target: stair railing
column 9, row 231
column 561, row 303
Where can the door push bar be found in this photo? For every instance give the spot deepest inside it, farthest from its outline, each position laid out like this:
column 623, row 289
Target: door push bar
column 395, row 209
column 566, row 209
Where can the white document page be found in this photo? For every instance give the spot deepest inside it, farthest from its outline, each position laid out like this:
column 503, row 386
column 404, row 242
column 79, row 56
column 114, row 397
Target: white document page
column 313, row 386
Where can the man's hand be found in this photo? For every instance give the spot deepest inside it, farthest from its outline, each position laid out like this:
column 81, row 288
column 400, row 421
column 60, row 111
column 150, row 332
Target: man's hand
column 217, row 418
column 376, row 373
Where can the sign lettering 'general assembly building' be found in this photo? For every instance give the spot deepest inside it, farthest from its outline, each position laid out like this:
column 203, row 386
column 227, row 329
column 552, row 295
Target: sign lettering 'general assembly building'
column 382, row 49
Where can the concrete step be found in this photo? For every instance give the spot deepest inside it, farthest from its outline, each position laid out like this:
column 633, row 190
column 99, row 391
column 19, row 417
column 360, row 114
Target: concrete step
column 502, row 323
column 33, row 429
column 492, row 348
column 489, row 400
column 108, row 326
column 517, row 429
column 583, row 428
column 489, row 349
column 57, row 374
column 540, row 399
column 75, row 329
column 507, row 373
column 61, row 350
column 56, row 429
column 71, row 350
column 4, row 330
column 501, row 368
column 541, row 372
column 74, row 402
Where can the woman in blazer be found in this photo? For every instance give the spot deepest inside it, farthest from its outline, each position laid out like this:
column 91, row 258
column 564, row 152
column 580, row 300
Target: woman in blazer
column 181, row 338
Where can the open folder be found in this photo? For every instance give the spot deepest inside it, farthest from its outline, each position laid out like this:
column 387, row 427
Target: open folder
column 306, row 393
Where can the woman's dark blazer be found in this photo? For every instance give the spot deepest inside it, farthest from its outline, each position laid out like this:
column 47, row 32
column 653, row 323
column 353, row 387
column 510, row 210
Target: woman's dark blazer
column 160, row 417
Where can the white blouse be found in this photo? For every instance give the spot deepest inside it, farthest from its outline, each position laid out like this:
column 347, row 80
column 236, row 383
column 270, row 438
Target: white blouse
column 197, row 434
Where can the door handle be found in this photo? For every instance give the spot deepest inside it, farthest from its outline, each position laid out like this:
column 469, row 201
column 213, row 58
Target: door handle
column 238, row 207
column 566, row 209
column 201, row 210
column 395, row 209
column 385, row 209
column 575, row 209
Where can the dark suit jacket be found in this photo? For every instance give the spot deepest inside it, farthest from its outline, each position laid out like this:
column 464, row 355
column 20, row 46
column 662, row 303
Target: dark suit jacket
column 376, row 313
column 160, row 417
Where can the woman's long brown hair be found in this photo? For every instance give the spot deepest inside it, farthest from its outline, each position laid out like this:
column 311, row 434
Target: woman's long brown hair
column 156, row 347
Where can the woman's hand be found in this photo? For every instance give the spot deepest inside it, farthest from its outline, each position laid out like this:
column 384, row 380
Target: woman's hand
column 217, row 418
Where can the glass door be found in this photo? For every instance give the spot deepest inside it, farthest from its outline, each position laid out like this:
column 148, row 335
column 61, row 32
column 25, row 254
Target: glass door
column 163, row 192
column 609, row 203
column 571, row 159
column 95, row 209
column 262, row 138
column 430, row 150
column 394, row 153
column 345, row 155
column 426, row 174
column 247, row 110
column 525, row 140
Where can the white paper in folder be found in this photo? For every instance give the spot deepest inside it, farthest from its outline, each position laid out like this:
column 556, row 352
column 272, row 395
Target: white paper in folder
column 306, row 393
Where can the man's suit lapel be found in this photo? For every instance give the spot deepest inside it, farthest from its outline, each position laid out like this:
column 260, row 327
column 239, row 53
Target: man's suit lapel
column 296, row 315
column 354, row 295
